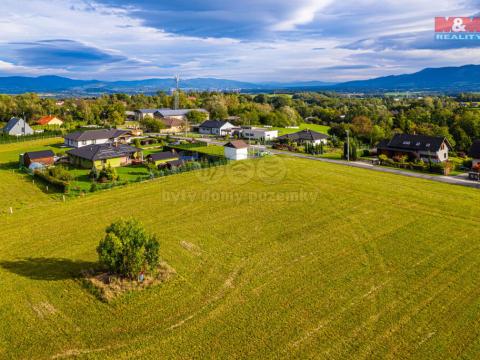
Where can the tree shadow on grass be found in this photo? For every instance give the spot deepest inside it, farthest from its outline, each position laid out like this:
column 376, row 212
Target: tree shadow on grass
column 50, row 269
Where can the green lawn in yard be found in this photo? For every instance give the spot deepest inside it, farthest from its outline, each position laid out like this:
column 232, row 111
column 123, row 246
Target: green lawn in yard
column 275, row 258
column 318, row 128
column 210, row 149
column 16, row 189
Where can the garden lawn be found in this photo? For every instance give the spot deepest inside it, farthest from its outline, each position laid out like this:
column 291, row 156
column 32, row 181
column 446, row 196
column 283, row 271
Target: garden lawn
column 275, row 258
column 318, row 128
column 16, row 189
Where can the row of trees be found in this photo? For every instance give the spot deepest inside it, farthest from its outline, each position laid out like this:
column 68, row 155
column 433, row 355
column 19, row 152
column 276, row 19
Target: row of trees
column 370, row 119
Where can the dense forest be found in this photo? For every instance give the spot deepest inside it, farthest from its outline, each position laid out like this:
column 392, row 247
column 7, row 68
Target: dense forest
column 369, row 119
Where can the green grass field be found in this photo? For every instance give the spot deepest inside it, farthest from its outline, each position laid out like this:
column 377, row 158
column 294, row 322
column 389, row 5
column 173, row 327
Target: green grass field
column 275, row 258
column 319, row 128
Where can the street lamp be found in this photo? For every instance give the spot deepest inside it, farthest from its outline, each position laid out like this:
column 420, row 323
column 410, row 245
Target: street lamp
column 348, row 145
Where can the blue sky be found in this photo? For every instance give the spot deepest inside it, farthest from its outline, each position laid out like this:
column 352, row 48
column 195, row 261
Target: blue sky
column 248, row 40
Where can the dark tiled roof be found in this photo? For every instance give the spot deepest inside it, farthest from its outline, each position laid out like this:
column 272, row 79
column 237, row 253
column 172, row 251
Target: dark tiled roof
column 304, row 135
column 237, row 144
column 95, row 134
column 11, row 123
column 162, row 156
column 475, row 150
column 103, row 151
column 416, row 142
column 39, row 154
column 213, row 124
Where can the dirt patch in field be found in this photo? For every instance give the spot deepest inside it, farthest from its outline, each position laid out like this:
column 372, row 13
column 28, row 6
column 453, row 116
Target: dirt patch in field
column 194, row 249
column 44, row 309
column 108, row 287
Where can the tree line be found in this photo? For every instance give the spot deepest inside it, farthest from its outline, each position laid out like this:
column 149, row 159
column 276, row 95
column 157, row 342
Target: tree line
column 369, row 119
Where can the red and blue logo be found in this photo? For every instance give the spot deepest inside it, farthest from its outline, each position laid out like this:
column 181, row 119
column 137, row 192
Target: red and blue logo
column 457, row 28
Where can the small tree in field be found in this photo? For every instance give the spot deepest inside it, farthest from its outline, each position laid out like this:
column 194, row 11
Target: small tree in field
column 128, row 249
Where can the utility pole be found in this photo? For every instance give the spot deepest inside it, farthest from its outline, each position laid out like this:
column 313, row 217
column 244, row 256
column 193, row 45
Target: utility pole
column 348, row 145
column 177, row 89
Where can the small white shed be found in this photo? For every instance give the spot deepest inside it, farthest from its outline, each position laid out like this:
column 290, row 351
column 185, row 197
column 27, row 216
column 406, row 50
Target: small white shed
column 236, row 150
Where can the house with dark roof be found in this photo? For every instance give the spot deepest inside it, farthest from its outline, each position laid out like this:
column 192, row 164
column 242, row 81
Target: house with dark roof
column 236, row 150
column 474, row 153
column 162, row 157
column 215, row 127
column 44, row 157
column 416, row 147
column 17, row 127
column 78, row 139
column 304, row 137
column 50, row 120
column 98, row 156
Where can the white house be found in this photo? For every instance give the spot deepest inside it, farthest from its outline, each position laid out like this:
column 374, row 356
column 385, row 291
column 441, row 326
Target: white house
column 94, row 137
column 17, row 127
column 236, row 150
column 259, row 134
column 215, row 127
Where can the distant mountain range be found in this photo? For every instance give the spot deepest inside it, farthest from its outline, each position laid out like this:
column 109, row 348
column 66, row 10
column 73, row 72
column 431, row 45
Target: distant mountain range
column 446, row 79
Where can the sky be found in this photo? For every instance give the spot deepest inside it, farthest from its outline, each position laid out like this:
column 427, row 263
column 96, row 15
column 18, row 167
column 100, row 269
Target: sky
column 246, row 40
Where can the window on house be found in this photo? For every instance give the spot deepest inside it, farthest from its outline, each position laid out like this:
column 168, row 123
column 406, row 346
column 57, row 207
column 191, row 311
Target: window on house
column 445, row 155
column 84, row 142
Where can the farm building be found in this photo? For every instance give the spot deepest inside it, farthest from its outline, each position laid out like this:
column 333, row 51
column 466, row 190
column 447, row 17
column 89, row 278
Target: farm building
column 304, row 137
column 236, row 150
column 141, row 114
column 95, row 137
column 45, row 157
column 474, row 153
column 172, row 125
column 259, row 134
column 103, row 155
column 162, row 157
column 180, row 114
column 49, row 120
column 17, row 127
column 215, row 127
column 422, row 147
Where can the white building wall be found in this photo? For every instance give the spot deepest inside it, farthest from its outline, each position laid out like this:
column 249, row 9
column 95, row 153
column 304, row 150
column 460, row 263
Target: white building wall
column 236, row 154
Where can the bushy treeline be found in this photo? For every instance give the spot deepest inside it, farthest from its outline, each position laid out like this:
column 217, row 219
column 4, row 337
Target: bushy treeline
column 369, row 119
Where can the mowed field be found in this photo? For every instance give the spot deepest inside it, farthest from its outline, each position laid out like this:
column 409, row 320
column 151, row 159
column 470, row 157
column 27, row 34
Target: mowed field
column 16, row 189
column 312, row 261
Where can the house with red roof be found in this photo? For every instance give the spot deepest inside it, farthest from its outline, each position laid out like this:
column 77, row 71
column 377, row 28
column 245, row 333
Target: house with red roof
column 50, row 120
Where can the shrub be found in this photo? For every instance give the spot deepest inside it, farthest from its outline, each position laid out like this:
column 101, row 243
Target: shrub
column 60, row 173
column 56, row 183
column 128, row 249
column 383, row 158
column 108, row 173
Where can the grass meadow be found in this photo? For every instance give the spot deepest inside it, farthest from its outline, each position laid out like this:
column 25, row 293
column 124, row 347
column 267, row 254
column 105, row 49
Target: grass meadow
column 275, row 258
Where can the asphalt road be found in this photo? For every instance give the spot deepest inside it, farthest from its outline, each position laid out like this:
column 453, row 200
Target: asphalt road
column 452, row 180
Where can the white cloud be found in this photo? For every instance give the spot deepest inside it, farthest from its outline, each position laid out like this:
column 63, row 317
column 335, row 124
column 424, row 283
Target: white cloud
column 306, row 45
